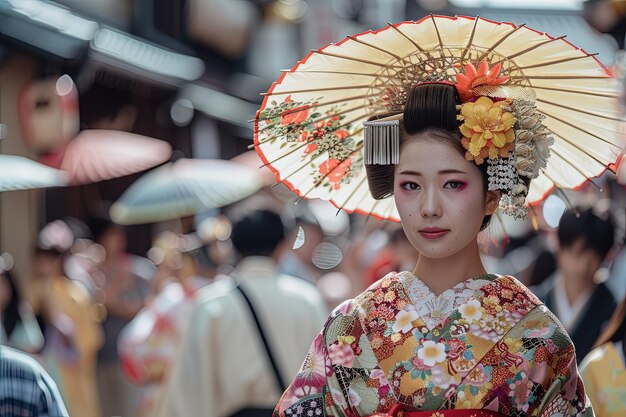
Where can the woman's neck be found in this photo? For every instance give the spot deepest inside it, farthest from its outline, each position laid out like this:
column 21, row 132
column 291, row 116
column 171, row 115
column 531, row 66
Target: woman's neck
column 441, row 274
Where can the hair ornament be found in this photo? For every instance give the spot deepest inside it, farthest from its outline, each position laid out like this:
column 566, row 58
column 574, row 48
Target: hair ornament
column 499, row 123
column 382, row 141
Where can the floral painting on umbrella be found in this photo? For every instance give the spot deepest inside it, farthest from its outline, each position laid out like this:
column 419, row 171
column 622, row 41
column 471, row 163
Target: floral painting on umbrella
column 324, row 139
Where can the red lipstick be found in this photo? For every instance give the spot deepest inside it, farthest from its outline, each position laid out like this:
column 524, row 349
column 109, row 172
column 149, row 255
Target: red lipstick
column 433, row 232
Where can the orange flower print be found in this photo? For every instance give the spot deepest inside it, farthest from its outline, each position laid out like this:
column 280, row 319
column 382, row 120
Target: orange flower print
column 465, row 83
column 335, row 170
column 310, row 148
column 341, row 134
column 296, row 115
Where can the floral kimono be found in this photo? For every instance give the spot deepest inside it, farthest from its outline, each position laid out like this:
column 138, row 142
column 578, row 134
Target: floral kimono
column 604, row 374
column 486, row 347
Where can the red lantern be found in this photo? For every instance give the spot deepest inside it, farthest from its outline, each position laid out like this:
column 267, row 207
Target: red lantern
column 48, row 112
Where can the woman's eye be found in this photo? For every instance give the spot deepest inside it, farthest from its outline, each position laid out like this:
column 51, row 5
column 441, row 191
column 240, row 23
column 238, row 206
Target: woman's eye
column 454, row 185
column 410, row 186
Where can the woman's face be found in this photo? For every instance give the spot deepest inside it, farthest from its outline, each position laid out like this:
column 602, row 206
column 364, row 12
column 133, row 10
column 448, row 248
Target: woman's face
column 440, row 197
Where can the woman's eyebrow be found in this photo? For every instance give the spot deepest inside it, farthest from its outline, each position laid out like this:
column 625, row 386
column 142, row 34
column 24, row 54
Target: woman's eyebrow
column 442, row 172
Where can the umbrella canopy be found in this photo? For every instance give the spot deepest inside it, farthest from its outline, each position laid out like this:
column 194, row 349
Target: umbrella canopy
column 183, row 188
column 309, row 129
column 18, row 173
column 99, row 154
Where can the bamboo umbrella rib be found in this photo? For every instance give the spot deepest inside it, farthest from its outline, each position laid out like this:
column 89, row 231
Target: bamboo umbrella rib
column 566, row 161
column 362, row 198
column 367, row 115
column 321, row 180
column 419, row 48
column 300, row 168
column 558, row 61
column 270, row 138
column 311, row 106
column 313, row 90
column 585, row 92
column 617, row 119
column 432, row 17
column 502, row 39
column 471, row 39
column 545, row 174
column 577, row 128
column 303, row 144
column 606, row 164
column 363, row 74
column 568, row 202
column 529, row 49
column 376, row 203
column 377, row 48
column 560, row 77
column 351, row 58
column 352, row 193
column 388, row 210
column 312, row 159
column 314, row 120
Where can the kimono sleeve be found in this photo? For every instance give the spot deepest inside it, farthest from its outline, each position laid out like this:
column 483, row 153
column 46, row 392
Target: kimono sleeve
column 588, row 373
column 314, row 389
column 565, row 396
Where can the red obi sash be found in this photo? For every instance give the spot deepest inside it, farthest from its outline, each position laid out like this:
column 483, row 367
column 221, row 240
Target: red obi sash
column 397, row 411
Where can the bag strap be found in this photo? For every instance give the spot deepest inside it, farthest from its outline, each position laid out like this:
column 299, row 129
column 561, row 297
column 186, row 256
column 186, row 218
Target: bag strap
column 273, row 362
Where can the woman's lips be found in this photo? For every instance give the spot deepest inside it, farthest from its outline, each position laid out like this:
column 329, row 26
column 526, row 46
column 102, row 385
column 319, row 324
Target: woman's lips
column 433, row 232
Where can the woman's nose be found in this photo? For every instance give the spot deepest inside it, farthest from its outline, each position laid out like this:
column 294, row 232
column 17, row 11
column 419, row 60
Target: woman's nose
column 431, row 206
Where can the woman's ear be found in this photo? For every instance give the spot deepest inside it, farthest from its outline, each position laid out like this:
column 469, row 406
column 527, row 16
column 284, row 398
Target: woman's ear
column 492, row 201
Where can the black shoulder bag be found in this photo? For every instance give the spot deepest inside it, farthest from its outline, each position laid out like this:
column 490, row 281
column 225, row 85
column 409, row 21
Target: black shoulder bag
column 260, row 412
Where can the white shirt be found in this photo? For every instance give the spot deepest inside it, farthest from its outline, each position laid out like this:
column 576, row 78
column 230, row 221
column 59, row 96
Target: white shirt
column 568, row 313
column 222, row 366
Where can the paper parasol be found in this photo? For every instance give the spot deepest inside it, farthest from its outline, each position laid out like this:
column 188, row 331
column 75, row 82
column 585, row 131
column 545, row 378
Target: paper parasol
column 98, row 154
column 19, row 173
column 309, row 129
column 184, row 188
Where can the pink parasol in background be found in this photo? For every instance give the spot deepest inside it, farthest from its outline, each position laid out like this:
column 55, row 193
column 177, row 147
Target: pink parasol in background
column 96, row 155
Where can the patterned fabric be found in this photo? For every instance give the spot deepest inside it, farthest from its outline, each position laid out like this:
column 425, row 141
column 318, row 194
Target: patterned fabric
column 605, row 380
column 446, row 413
column 26, row 389
column 487, row 343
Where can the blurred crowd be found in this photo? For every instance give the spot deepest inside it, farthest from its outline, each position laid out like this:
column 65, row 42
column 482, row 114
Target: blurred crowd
column 165, row 334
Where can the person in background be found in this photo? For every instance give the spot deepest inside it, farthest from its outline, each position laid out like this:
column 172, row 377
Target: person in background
column 18, row 325
column 71, row 328
column 582, row 304
column 26, row 389
column 222, row 367
column 149, row 343
column 124, row 280
column 603, row 370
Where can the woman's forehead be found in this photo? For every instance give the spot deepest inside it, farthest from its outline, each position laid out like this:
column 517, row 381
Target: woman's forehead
column 431, row 151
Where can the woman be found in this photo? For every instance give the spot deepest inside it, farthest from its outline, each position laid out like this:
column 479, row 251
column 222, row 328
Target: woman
column 603, row 368
column 448, row 338
column 71, row 328
column 18, row 325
